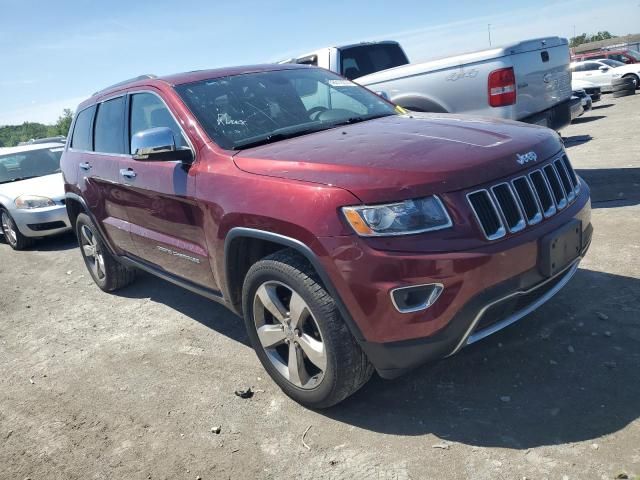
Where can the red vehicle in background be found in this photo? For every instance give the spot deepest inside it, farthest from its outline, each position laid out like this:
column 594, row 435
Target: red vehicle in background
column 624, row 55
column 350, row 235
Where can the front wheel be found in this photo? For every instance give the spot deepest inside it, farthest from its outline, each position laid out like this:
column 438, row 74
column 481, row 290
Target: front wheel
column 105, row 270
column 12, row 235
column 298, row 333
column 635, row 79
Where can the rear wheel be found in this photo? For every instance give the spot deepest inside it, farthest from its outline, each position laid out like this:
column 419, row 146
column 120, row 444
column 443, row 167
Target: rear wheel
column 105, row 270
column 298, row 333
column 12, row 235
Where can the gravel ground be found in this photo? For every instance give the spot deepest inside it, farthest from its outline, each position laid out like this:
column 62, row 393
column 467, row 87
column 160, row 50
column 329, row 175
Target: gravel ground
column 133, row 385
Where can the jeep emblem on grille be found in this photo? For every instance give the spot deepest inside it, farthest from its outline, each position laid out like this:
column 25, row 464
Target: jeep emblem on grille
column 527, row 157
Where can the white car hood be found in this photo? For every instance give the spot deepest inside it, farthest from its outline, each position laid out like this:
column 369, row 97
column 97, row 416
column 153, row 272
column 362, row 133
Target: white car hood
column 51, row 186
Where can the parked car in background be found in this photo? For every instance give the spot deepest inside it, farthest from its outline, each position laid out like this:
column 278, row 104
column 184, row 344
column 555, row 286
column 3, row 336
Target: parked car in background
column 624, row 55
column 32, row 198
column 631, row 71
column 599, row 74
column 584, row 98
column 349, row 235
column 527, row 81
column 35, row 141
column 590, row 88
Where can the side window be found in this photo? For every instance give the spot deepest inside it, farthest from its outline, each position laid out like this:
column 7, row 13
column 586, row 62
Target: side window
column 81, row 138
column 618, row 57
column 109, row 127
column 591, row 66
column 148, row 111
column 578, row 68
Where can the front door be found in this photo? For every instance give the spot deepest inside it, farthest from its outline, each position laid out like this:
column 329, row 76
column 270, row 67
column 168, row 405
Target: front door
column 166, row 221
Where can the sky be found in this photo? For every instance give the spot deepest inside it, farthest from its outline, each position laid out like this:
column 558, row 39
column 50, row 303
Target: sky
column 55, row 54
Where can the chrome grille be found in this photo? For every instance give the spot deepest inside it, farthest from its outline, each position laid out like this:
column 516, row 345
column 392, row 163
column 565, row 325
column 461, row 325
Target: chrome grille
column 525, row 200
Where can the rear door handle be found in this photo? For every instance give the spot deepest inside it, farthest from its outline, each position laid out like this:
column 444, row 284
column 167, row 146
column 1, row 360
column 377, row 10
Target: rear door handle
column 127, row 173
column 85, row 166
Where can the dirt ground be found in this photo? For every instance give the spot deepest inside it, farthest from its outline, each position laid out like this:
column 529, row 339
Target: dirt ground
column 130, row 385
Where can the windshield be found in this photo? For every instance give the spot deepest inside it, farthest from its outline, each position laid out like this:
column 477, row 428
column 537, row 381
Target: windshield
column 29, row 164
column 247, row 110
column 634, row 54
column 612, row 63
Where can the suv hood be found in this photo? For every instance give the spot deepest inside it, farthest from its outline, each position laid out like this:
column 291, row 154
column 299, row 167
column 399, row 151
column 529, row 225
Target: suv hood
column 400, row 157
column 51, row 186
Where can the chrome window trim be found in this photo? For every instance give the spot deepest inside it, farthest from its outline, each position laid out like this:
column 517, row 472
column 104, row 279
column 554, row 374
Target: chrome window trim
column 537, row 218
column 129, row 155
column 501, row 232
column 553, row 209
column 522, row 222
column 435, row 294
column 469, row 337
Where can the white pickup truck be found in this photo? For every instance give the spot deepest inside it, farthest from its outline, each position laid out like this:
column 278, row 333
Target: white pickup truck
column 528, row 81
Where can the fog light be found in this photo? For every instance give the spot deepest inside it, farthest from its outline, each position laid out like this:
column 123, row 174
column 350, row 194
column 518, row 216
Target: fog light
column 416, row 297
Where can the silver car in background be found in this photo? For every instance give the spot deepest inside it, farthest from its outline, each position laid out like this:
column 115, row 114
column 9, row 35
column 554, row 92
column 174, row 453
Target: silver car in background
column 32, row 202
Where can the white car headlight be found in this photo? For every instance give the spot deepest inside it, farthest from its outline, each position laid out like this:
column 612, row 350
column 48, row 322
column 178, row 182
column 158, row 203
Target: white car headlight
column 402, row 218
column 33, row 201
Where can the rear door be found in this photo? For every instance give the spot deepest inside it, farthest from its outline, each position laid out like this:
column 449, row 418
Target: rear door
column 166, row 221
column 97, row 143
column 543, row 79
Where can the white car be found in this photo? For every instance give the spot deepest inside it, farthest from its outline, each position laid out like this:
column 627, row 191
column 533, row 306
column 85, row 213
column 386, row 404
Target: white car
column 627, row 70
column 596, row 72
column 32, row 199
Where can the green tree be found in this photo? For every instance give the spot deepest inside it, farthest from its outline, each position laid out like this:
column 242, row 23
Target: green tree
column 63, row 124
column 586, row 38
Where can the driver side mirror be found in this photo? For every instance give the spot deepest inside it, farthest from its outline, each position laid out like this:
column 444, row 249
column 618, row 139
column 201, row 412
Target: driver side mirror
column 158, row 145
column 603, row 68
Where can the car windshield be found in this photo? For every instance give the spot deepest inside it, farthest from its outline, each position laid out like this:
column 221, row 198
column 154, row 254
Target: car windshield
column 247, row 110
column 612, row 63
column 18, row 166
column 634, row 54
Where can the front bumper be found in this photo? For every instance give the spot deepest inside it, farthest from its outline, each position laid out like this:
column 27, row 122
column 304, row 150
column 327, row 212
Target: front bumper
column 500, row 282
column 42, row 222
column 558, row 116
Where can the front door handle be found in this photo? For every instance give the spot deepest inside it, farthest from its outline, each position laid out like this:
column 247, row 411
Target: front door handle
column 127, row 173
column 85, row 166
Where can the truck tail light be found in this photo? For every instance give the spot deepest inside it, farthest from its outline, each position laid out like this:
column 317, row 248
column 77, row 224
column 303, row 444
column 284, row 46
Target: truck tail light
column 502, row 87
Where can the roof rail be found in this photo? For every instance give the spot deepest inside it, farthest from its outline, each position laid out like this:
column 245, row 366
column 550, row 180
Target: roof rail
column 125, row 82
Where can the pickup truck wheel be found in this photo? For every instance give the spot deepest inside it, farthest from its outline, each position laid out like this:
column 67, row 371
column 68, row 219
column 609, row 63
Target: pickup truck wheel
column 12, row 235
column 298, row 333
column 105, row 270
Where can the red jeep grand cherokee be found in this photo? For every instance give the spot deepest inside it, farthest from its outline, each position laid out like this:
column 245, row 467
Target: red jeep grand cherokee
column 349, row 234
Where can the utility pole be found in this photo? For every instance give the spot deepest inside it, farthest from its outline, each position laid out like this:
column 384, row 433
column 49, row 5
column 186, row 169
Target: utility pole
column 489, row 30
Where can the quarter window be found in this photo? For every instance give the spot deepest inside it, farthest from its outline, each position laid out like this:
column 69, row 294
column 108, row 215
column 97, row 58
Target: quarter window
column 81, row 138
column 148, row 111
column 109, row 127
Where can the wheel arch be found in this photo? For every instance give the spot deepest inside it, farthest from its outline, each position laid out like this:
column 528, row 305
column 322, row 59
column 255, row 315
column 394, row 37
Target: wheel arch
column 419, row 103
column 244, row 246
column 76, row 205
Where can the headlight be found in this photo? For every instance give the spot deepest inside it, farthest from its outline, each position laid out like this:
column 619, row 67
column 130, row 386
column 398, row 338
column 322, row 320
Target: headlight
column 33, row 201
column 403, row 218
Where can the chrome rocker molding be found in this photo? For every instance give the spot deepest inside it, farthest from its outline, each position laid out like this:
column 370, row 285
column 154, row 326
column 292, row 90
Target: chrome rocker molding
column 472, row 337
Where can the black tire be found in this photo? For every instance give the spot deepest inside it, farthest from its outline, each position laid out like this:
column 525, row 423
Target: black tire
column 347, row 367
column 108, row 273
column 635, row 79
column 623, row 93
column 12, row 235
column 621, row 83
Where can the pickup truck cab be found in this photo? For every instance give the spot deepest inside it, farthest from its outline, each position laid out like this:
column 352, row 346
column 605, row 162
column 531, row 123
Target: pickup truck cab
column 527, row 81
column 351, row 237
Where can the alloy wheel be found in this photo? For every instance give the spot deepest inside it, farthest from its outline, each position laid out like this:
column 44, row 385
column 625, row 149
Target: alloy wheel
column 9, row 229
column 289, row 334
column 92, row 252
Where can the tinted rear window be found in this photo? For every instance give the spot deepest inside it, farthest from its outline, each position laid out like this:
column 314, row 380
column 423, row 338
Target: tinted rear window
column 81, row 138
column 365, row 59
column 109, row 127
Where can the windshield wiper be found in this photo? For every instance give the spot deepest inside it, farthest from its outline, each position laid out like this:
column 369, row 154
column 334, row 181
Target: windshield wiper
column 352, row 120
column 18, row 179
column 278, row 135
